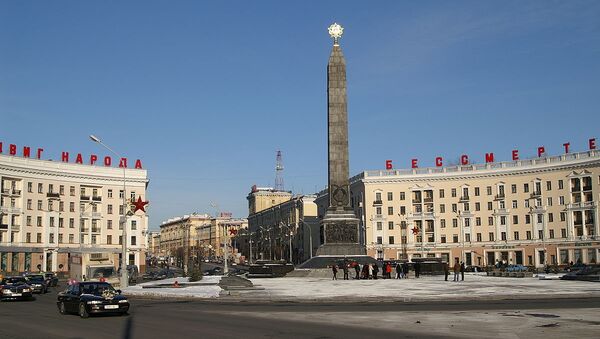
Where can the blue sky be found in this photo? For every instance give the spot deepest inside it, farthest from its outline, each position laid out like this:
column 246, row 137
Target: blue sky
column 205, row 93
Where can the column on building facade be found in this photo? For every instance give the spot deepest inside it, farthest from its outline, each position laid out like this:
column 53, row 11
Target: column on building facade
column 570, row 225
column 596, row 224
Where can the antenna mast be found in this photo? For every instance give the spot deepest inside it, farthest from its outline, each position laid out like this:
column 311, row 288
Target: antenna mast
column 279, row 172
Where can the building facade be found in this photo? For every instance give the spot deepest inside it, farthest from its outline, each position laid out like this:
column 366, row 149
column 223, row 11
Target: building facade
column 289, row 224
column 221, row 230
column 55, row 214
column 178, row 237
column 531, row 212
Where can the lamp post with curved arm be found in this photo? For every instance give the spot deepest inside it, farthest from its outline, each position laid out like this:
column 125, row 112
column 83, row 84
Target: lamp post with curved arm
column 124, row 272
column 290, row 239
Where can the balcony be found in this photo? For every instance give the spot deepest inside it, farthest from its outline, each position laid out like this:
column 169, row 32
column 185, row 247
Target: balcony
column 377, row 202
column 499, row 196
column 11, row 191
column 3, row 226
column 84, row 229
column 428, row 199
column 10, row 210
column 96, row 198
column 576, row 188
column 52, row 195
column 84, row 197
column 581, row 205
column 377, row 216
column 464, row 198
column 95, row 229
column 416, row 201
column 587, row 188
column 429, row 230
column 536, row 194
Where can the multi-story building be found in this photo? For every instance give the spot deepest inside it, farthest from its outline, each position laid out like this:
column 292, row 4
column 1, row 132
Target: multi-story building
column 220, row 230
column 530, row 212
column 261, row 198
column 289, row 222
column 178, row 237
column 154, row 244
column 54, row 214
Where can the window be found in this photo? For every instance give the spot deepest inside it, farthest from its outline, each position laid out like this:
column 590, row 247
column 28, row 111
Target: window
column 526, row 204
column 454, row 222
column 502, row 220
column 549, row 201
column 561, row 200
column 442, row 208
column 549, row 185
column 30, row 187
column 563, row 232
column 28, row 237
column 550, row 217
column 489, row 190
column 402, row 210
column 490, row 221
column 391, row 239
column 467, row 222
column 540, row 234
column 479, row 237
column 402, row 196
column 390, row 196
column 61, row 223
column 51, row 221
column 40, row 188
column 490, row 206
column 50, row 206
column 443, row 239
column 39, row 238
column 71, row 238
column 526, row 188
column 478, row 221
column 377, row 210
column 491, row 236
column 476, row 191
column 501, row 190
column 390, row 225
column 468, row 237
column 39, row 205
column 28, row 220
column 441, row 193
column 551, row 234
column 390, row 210
column 540, row 218
column 515, row 204
column 563, row 216
column 82, row 191
column 379, row 226
column 477, row 206
column 122, row 194
column 528, row 234
column 454, row 208
column 95, row 192
column 560, row 184
column 109, row 224
column 501, row 204
column 51, row 239
column 466, row 206
column 527, row 219
column 132, row 196
column 513, row 188
column 443, row 223
column 120, row 240
column 109, row 239
column 61, row 206
column 453, row 192
column 109, row 209
column 515, row 220
column 379, row 240
column 61, row 189
column 455, row 238
column 503, row 236
column 109, row 193
column 71, row 223
column 516, row 235
column 29, row 202
column 39, row 221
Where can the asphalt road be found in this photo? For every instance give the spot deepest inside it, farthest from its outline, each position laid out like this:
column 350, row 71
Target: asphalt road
column 208, row 319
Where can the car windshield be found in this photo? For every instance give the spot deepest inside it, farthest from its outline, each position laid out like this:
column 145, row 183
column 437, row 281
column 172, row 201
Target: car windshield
column 35, row 277
column 96, row 289
column 102, row 272
column 15, row 280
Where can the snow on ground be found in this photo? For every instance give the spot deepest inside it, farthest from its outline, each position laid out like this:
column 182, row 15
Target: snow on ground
column 205, row 288
column 426, row 288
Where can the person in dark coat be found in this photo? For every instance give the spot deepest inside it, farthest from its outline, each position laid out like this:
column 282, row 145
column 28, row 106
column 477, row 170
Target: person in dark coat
column 365, row 271
column 357, row 270
column 462, row 271
column 398, row 271
column 375, row 271
column 405, row 270
column 446, row 271
column 345, row 268
column 417, row 269
column 334, row 271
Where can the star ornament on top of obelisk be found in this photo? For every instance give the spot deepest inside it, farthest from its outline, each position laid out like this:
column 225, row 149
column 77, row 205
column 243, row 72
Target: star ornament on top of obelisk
column 336, row 31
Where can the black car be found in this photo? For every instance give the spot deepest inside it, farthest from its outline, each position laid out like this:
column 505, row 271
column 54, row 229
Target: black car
column 15, row 288
column 85, row 298
column 51, row 278
column 37, row 282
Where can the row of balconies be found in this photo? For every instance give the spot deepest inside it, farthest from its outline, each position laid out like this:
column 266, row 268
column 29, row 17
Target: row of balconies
column 577, row 188
column 11, row 191
column 10, row 210
column 88, row 198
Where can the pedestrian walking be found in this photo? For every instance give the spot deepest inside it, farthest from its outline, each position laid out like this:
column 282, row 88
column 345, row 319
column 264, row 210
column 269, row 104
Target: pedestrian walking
column 456, row 269
column 405, row 270
column 375, row 271
column 462, row 271
column 334, row 271
column 388, row 270
column 370, row 271
column 398, row 271
column 446, row 271
column 365, row 271
column 357, row 270
column 345, row 268
column 417, row 269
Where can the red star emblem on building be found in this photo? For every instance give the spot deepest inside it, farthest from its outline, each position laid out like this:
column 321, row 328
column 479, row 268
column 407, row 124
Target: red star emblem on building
column 415, row 230
column 140, row 205
column 232, row 231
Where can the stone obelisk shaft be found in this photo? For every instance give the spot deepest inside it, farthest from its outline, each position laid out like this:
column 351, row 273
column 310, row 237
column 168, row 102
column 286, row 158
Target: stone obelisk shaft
column 337, row 119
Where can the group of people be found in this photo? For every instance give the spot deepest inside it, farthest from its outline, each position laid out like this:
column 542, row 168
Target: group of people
column 371, row 271
column 458, row 269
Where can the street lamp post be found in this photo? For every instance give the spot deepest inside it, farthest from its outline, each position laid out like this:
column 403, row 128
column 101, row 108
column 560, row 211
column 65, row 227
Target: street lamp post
column 290, row 240
column 123, row 221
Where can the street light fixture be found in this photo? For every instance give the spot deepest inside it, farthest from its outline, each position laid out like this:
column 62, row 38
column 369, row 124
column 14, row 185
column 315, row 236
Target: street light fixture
column 123, row 221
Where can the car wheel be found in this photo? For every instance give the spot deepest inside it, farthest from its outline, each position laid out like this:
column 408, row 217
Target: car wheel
column 82, row 311
column 61, row 308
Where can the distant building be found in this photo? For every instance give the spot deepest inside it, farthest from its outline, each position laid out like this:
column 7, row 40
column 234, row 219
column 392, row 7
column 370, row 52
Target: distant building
column 178, row 237
column 220, row 230
column 261, row 198
column 154, row 244
column 272, row 226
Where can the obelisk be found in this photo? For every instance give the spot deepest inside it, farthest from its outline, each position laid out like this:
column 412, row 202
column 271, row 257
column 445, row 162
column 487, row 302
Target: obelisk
column 340, row 224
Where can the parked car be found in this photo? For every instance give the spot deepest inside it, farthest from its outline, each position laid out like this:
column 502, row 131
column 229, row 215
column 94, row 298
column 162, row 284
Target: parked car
column 51, row 278
column 213, row 271
column 15, row 288
column 473, row 268
column 37, row 282
column 85, row 298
